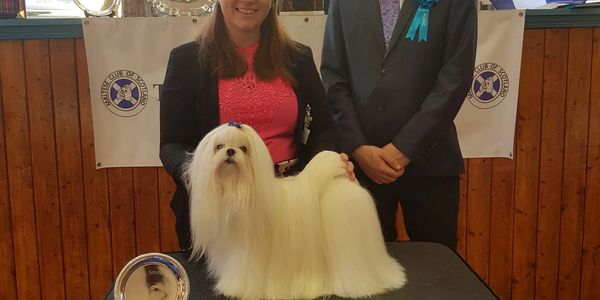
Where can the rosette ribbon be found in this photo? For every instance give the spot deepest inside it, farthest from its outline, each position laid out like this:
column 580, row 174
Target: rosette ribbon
column 420, row 21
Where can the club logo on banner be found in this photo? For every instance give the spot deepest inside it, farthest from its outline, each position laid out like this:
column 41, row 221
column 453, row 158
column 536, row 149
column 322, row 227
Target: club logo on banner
column 490, row 86
column 124, row 93
column 486, row 121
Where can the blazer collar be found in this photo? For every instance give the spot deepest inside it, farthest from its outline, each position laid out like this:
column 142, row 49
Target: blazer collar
column 372, row 8
column 213, row 102
column 406, row 12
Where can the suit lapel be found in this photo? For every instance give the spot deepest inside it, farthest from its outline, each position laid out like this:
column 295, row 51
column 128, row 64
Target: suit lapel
column 406, row 12
column 372, row 9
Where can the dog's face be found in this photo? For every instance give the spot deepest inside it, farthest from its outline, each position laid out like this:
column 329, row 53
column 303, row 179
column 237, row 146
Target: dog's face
column 231, row 162
column 232, row 151
column 234, row 154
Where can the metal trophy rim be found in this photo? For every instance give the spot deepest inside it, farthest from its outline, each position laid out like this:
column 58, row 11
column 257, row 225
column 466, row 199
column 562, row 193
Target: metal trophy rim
column 178, row 271
column 98, row 13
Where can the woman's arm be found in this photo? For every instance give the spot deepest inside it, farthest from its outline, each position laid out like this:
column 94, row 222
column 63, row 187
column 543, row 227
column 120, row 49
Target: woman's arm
column 178, row 123
column 323, row 134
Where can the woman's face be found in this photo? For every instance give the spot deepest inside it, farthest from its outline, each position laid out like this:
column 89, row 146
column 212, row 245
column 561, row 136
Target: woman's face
column 244, row 17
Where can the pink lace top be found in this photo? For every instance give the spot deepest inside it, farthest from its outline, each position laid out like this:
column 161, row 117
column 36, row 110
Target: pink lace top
column 271, row 108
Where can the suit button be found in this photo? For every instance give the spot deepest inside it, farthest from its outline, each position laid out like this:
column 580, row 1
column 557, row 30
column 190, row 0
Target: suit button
column 380, row 108
column 382, row 72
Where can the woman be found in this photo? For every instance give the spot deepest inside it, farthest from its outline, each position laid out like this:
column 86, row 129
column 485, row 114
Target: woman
column 242, row 68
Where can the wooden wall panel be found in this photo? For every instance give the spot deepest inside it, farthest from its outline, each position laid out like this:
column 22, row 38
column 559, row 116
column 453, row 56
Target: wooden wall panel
column 528, row 226
column 20, row 181
column 575, row 155
column 147, row 229
column 461, row 234
column 590, row 263
column 478, row 215
column 402, row 234
column 501, row 226
column 551, row 162
column 527, row 165
column 166, row 188
column 44, row 169
column 68, row 151
column 122, row 216
column 8, row 286
column 95, row 190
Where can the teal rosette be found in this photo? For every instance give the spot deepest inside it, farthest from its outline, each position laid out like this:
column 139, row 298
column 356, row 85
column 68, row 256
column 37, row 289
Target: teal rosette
column 420, row 21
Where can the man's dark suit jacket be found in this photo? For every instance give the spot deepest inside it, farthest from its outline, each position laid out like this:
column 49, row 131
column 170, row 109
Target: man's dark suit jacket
column 407, row 95
column 189, row 109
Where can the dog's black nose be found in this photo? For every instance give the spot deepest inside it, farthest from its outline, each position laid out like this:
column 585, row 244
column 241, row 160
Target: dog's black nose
column 230, row 152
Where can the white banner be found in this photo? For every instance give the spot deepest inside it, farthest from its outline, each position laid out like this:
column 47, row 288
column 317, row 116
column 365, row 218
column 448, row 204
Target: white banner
column 486, row 121
column 127, row 58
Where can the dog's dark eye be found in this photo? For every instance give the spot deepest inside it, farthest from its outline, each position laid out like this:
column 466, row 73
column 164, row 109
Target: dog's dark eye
column 220, row 146
column 244, row 149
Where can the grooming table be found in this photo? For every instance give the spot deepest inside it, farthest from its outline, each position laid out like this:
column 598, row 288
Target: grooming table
column 434, row 271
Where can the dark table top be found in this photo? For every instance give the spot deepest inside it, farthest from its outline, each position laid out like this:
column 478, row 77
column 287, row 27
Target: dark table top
column 433, row 271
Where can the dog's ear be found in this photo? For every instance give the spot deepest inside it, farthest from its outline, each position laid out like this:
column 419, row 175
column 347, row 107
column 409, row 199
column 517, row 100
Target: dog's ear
column 259, row 153
column 199, row 161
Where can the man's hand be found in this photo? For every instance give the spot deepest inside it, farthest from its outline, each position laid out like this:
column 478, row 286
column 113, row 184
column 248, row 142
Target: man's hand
column 397, row 159
column 373, row 161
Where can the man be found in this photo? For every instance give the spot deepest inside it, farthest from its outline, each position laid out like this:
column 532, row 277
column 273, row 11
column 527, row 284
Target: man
column 394, row 92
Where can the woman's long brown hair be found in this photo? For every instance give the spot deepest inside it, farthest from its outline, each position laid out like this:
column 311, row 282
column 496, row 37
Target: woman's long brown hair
column 272, row 59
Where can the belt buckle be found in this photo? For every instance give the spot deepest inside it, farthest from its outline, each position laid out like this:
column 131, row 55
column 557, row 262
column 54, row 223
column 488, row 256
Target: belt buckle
column 285, row 165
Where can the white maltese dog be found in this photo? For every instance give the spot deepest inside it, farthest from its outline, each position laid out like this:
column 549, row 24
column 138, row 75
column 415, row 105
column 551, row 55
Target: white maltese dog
column 298, row 237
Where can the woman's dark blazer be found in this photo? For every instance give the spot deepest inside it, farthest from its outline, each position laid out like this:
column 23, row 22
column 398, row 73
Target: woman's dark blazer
column 189, row 109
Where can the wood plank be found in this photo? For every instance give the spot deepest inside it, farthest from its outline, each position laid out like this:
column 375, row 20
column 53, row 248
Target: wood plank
column 120, row 183
column 44, row 168
column 478, row 216
column 551, row 162
column 16, row 130
column 70, row 174
column 501, row 226
column 574, row 169
column 402, row 234
column 168, row 235
column 95, row 188
column 461, row 227
column 590, row 273
column 527, row 165
column 147, row 225
column 8, row 286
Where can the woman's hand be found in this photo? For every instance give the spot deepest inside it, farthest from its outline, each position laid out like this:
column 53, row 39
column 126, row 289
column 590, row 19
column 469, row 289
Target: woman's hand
column 349, row 166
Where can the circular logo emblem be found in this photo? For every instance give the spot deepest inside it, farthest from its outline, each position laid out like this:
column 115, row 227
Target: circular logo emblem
column 489, row 87
column 124, row 93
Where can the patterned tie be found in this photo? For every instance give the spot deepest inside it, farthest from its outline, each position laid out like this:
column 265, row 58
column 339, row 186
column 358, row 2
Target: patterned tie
column 389, row 16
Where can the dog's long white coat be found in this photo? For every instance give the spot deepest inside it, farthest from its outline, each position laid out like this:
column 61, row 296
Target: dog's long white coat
column 295, row 238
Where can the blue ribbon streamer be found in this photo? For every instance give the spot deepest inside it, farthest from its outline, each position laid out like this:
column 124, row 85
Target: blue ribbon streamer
column 420, row 22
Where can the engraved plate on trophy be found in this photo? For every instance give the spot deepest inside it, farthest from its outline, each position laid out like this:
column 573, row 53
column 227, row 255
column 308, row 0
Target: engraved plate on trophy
column 182, row 8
